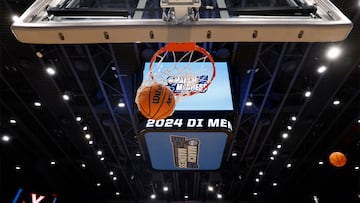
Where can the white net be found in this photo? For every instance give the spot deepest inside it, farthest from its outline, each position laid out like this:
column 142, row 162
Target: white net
column 186, row 73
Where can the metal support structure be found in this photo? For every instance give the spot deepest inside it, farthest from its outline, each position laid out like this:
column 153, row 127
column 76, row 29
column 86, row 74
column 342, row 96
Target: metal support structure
column 242, row 102
column 281, row 105
column 274, row 74
column 62, row 48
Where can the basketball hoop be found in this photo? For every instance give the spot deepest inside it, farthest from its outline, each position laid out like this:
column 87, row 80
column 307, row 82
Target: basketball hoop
column 185, row 68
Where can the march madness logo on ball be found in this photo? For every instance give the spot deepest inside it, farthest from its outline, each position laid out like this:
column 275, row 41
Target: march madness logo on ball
column 190, row 83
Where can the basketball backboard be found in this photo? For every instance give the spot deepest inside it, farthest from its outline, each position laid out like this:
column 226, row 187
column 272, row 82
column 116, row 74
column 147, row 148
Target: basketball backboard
column 76, row 22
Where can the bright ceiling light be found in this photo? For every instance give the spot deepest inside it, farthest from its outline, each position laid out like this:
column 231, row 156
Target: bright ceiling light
column 288, row 165
column 285, row 135
column 83, row 165
column 87, row 136
column 293, row 118
column 117, row 193
column 50, row 71
column 186, row 196
column 307, row 94
column 138, row 154
column 99, row 152
column 289, row 127
column 275, row 152
column 5, row 138
column 78, row 118
column 17, row 168
column 121, row 104
column 272, row 158
column 234, row 154
column 321, row 163
column 321, row 69
column 210, row 188
column 152, row 196
column 261, row 173
column 165, row 188
column 15, row 18
column 102, row 158
column 357, row 168
column 12, row 121
column 248, row 103
column 274, row 184
column 255, row 193
column 257, row 180
column 111, row 173
column 336, row 102
column 333, row 53
column 219, row 196
column 114, row 178
column 98, row 184
column 66, row 97
column 37, row 104
column 91, row 142
column 52, row 163
column 278, row 146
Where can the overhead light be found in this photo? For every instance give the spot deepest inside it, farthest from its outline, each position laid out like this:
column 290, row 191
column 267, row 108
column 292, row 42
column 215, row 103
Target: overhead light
column 52, row 162
column 99, row 152
column 234, row 154
column 117, row 193
column 274, row 184
column 288, row 165
column 50, row 71
column 255, row 193
column 307, row 94
column 336, row 102
column 333, row 52
column 87, row 136
column 66, row 97
column 85, row 128
column 272, row 158
column 257, row 180
column 138, row 154
column 5, row 138
column 98, row 184
column 37, row 104
column 12, row 121
column 114, row 178
column 321, row 163
column 91, row 142
column 289, row 127
column 219, row 196
column 275, row 152
column 358, row 121
column 152, row 196
column 278, row 146
column 261, row 173
column 111, row 173
column 83, row 165
column 102, row 158
column 121, row 104
column 210, row 188
column 78, row 118
column 186, row 196
column 357, row 168
column 248, row 103
column 17, row 168
column 285, row 135
column 321, row 69
column 15, row 18
column 165, row 188
column 293, row 118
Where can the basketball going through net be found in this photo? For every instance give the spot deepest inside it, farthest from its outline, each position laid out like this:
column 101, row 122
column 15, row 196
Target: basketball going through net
column 184, row 69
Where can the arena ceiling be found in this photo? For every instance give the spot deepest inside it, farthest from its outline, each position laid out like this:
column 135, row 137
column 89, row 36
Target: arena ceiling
column 49, row 154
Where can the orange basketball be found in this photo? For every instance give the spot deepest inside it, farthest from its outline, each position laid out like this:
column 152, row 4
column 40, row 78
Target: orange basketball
column 156, row 101
column 337, row 159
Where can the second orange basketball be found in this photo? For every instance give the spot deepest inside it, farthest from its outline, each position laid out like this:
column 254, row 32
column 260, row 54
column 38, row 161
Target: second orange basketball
column 155, row 101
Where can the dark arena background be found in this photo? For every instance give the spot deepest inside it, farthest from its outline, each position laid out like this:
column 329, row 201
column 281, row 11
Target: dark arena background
column 265, row 91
